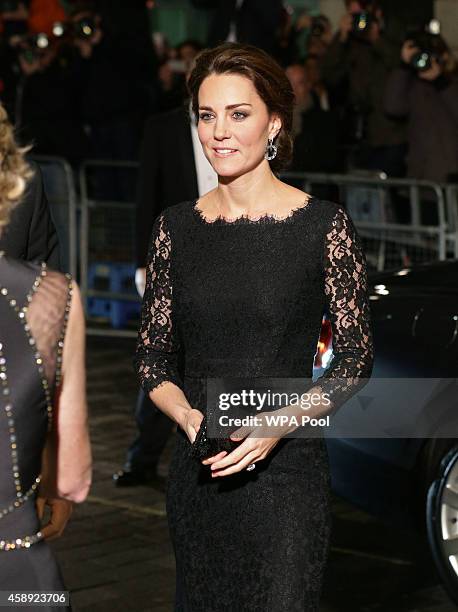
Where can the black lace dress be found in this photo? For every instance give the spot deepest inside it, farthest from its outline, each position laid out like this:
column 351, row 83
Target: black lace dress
column 245, row 298
column 34, row 304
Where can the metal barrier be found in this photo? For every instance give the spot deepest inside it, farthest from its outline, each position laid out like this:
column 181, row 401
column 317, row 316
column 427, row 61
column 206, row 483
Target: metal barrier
column 107, row 232
column 389, row 243
column 59, row 185
column 107, row 243
column 451, row 194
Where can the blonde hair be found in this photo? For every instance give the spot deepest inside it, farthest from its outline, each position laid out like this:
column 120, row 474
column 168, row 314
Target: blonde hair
column 14, row 170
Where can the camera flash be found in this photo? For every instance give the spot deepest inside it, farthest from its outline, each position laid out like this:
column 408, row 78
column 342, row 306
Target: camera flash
column 434, row 26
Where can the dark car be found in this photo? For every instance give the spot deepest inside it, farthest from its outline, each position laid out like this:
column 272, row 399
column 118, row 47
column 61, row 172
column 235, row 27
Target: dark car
column 411, row 475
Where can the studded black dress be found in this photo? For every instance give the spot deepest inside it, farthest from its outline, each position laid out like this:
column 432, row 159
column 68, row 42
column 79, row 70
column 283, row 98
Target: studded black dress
column 34, row 305
column 245, row 298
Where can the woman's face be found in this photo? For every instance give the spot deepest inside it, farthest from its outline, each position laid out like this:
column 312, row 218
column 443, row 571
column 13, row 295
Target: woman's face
column 234, row 124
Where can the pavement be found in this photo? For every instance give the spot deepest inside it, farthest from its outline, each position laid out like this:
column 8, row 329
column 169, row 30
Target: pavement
column 116, row 554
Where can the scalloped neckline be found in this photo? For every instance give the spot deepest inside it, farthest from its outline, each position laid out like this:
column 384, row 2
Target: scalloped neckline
column 265, row 218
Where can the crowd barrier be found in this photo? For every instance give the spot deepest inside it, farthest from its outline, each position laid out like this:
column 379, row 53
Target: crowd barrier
column 401, row 222
column 107, row 247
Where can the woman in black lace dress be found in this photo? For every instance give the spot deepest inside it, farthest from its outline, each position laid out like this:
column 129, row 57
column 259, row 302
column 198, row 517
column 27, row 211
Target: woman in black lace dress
column 239, row 280
column 44, row 440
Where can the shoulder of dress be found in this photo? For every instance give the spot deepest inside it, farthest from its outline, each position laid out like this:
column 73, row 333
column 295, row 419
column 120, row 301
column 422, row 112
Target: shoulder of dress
column 331, row 216
column 328, row 209
column 177, row 212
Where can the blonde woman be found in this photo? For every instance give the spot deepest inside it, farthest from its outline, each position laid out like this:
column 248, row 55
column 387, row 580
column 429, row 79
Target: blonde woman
column 44, row 441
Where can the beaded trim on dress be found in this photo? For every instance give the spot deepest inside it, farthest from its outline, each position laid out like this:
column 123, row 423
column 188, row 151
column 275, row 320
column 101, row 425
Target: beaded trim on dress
column 264, row 219
column 21, row 312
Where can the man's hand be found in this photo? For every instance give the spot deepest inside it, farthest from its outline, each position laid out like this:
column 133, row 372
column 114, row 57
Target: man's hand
column 409, row 48
column 374, row 31
column 29, row 68
column 61, row 510
column 84, row 47
column 304, row 21
column 432, row 73
column 345, row 27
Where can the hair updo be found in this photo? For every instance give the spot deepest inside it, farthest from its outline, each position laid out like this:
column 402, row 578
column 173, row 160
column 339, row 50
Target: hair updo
column 14, row 170
column 268, row 78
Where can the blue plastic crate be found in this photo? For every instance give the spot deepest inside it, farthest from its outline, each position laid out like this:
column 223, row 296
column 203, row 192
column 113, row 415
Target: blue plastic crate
column 118, row 278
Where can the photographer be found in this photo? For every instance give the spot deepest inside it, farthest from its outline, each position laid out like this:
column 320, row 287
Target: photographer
column 305, row 36
column 425, row 90
column 355, row 68
column 48, row 102
column 255, row 22
column 115, row 89
column 173, row 68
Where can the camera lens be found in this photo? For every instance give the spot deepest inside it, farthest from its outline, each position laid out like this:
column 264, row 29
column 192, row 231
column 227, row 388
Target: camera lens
column 86, row 28
column 421, row 61
column 42, row 41
column 58, row 29
column 361, row 22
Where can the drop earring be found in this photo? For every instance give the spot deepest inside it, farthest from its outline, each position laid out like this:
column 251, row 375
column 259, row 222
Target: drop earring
column 271, row 150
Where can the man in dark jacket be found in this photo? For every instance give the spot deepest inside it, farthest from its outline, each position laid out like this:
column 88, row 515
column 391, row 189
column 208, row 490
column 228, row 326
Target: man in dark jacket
column 172, row 169
column 255, row 22
column 31, row 234
column 429, row 99
column 355, row 68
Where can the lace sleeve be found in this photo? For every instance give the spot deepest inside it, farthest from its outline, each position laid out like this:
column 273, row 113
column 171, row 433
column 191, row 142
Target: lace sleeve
column 156, row 356
column 348, row 307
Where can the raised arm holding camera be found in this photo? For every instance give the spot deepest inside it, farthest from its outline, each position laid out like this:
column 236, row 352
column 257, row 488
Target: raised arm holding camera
column 424, row 88
column 355, row 68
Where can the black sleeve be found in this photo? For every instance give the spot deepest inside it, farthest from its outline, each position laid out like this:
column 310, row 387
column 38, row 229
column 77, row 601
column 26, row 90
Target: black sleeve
column 43, row 243
column 149, row 188
column 448, row 92
column 397, row 92
column 31, row 234
column 335, row 65
column 347, row 301
column 156, row 359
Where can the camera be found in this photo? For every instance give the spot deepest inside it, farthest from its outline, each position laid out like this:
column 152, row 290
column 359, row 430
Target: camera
column 59, row 29
column 32, row 47
column 422, row 61
column 361, row 22
column 430, row 47
column 83, row 29
column 318, row 27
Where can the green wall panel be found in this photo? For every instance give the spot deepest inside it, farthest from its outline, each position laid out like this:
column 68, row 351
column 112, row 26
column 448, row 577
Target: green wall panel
column 178, row 20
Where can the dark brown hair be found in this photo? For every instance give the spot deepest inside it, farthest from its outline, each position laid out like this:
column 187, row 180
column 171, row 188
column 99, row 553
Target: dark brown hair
column 268, row 78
